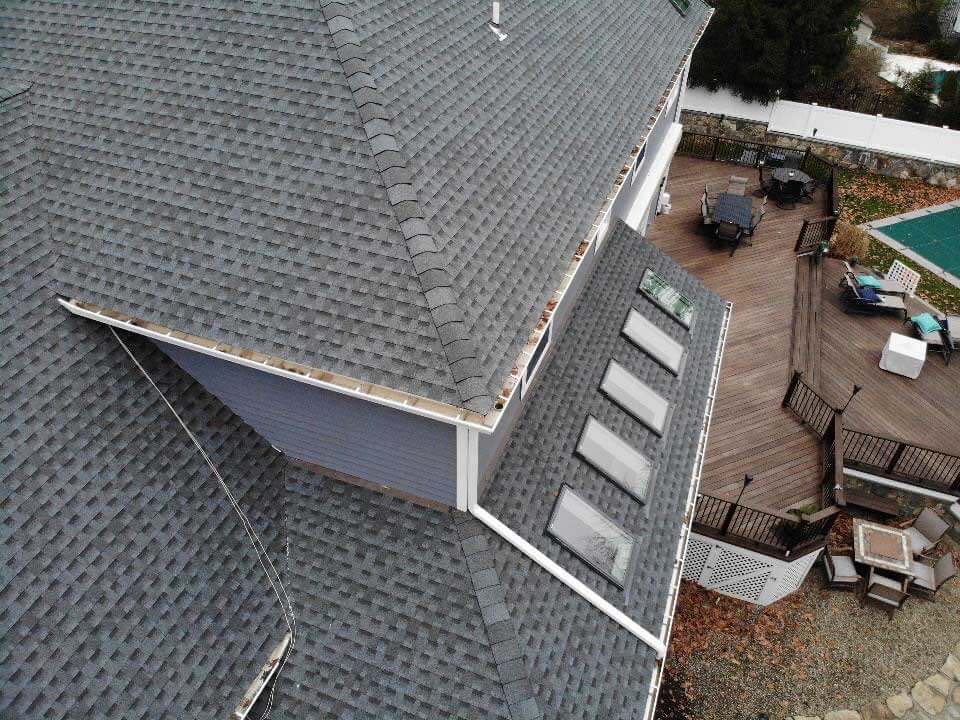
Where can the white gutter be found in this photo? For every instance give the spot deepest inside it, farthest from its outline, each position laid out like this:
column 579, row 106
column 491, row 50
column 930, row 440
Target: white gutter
column 658, row 644
column 671, row 609
column 266, row 367
column 608, row 609
column 897, row 485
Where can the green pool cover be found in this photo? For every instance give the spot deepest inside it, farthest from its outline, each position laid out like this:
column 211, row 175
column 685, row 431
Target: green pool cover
column 936, row 237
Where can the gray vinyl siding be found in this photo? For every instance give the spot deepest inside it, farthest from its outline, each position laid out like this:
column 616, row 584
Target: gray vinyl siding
column 375, row 443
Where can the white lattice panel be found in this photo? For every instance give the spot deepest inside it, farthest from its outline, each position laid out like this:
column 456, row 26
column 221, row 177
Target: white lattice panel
column 697, row 553
column 743, row 574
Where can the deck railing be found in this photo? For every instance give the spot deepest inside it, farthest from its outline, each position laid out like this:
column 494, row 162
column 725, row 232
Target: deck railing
column 765, row 531
column 845, row 447
column 809, row 406
column 816, row 234
column 913, row 464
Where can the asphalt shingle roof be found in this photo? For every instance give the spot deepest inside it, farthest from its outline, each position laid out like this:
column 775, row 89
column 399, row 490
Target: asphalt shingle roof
column 582, row 664
column 377, row 189
column 127, row 585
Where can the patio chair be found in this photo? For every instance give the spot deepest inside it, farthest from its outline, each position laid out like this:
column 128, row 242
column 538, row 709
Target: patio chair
column 927, row 580
column 881, row 285
column 755, row 221
column 937, row 340
column 885, row 591
column 737, row 185
column 706, row 212
column 867, row 300
column 766, row 181
column 927, row 530
column 731, row 233
column 790, row 193
column 841, row 572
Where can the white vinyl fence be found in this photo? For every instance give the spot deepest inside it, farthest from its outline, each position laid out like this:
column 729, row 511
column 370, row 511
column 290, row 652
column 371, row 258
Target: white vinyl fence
column 841, row 127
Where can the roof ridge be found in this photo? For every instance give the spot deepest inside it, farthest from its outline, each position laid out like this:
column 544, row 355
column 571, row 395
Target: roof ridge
column 436, row 282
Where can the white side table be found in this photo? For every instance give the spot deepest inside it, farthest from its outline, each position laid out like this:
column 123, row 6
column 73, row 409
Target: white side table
column 903, row 355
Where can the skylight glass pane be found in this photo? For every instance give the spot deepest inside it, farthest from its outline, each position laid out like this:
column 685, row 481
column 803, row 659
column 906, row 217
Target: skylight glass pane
column 634, row 396
column 615, row 458
column 654, row 341
column 670, row 300
column 587, row 532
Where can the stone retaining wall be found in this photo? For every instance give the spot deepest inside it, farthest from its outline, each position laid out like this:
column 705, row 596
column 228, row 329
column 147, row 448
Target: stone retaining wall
column 842, row 155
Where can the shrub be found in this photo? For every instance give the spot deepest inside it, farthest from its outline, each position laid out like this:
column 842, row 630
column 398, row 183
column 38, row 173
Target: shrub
column 849, row 241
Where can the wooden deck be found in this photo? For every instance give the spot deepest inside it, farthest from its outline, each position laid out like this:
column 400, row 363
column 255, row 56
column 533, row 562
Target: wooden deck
column 751, row 432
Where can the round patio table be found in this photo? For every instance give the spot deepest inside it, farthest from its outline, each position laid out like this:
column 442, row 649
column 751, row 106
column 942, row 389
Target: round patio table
column 785, row 175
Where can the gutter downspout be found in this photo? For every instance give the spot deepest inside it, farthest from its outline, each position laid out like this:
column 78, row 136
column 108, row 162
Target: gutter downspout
column 566, row 578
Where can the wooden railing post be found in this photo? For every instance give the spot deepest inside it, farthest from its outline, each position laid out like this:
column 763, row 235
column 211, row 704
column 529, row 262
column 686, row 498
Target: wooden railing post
column 794, row 381
column 725, row 527
column 838, row 452
column 716, row 147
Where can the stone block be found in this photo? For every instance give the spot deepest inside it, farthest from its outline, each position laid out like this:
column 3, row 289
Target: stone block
column 940, row 683
column 877, row 711
column 899, row 704
column 928, row 699
column 842, row 715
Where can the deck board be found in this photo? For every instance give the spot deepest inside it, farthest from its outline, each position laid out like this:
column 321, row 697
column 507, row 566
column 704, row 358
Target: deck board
column 750, row 432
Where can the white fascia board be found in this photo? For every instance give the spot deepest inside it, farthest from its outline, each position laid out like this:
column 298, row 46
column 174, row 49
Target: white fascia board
column 651, row 181
column 272, row 369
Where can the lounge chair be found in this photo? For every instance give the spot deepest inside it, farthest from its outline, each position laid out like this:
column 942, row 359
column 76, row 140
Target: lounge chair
column 885, row 591
column 866, row 300
column 927, row 530
column 928, row 580
column 882, row 286
column 938, row 340
column 841, row 572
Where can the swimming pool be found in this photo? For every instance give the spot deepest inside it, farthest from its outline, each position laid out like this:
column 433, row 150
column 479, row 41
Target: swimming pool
column 930, row 236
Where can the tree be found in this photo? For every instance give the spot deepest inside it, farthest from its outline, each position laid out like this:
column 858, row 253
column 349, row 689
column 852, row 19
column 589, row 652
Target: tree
column 759, row 48
column 916, row 96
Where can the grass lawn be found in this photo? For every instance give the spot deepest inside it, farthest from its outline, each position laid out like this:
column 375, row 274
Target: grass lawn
column 865, row 197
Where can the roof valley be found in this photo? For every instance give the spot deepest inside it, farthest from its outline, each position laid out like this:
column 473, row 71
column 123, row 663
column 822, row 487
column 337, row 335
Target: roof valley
column 392, row 164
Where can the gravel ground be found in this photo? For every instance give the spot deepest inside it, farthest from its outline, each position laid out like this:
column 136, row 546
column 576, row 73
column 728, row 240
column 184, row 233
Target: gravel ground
column 830, row 654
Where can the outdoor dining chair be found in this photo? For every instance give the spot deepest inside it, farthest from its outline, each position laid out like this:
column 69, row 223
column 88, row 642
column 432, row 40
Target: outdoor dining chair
column 706, row 212
column 766, row 180
column 927, row 580
column 755, row 221
column 790, row 193
column 927, row 530
column 841, row 572
column 737, row 185
column 731, row 233
column 885, row 591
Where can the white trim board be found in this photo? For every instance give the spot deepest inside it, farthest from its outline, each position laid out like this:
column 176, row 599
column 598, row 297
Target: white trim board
column 657, row 168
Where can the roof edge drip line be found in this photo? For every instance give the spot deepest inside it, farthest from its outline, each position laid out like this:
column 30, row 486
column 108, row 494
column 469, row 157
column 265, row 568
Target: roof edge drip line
column 463, row 357
column 355, row 388
column 680, row 559
column 591, row 596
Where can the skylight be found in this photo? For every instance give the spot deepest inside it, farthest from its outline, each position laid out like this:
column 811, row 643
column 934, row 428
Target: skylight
column 615, row 458
column 682, row 6
column 591, row 535
column 634, row 396
column 654, row 341
column 668, row 298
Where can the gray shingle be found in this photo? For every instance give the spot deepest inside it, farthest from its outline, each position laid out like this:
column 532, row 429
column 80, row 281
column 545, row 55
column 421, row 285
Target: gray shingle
column 612, row 672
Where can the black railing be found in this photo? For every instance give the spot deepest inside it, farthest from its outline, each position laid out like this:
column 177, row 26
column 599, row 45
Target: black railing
column 815, row 236
column 914, row 464
column 765, row 531
column 740, row 152
column 809, row 406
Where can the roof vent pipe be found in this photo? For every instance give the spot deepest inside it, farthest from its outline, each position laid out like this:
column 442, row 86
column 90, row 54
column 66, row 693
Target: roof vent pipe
column 494, row 23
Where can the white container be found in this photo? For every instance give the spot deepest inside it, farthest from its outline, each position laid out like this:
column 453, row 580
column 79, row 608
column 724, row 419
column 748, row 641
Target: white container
column 903, row 355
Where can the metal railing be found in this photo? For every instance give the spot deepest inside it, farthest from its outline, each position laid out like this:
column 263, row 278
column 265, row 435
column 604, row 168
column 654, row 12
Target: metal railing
column 809, row 406
column 765, row 531
column 914, row 464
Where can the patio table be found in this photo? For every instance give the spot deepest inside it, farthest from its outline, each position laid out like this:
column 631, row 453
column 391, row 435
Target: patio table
column 785, row 175
column 737, row 209
column 882, row 547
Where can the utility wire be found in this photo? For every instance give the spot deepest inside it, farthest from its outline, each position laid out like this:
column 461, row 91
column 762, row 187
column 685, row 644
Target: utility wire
column 262, row 555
